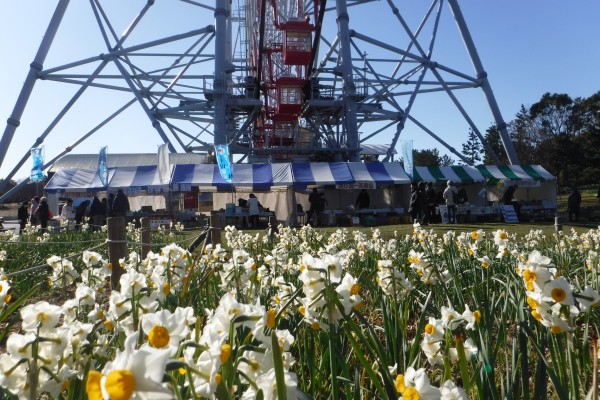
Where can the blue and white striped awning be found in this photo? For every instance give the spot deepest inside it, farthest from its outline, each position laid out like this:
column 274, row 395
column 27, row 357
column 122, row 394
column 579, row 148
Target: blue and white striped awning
column 255, row 176
column 135, row 179
column 76, row 180
column 378, row 173
column 335, row 173
column 454, row 173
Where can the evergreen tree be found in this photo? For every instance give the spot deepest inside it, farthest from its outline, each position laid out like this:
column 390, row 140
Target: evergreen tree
column 431, row 158
column 473, row 149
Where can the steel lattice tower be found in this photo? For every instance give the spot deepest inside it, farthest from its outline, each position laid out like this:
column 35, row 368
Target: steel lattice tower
column 276, row 80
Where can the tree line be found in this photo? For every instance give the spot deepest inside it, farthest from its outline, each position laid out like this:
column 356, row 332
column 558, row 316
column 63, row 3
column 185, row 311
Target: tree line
column 560, row 133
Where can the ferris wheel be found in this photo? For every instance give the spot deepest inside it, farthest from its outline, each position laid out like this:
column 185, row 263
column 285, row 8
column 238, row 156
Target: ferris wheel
column 276, row 80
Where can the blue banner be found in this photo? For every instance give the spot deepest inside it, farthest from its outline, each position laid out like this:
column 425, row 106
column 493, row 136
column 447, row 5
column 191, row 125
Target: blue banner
column 222, row 152
column 406, row 152
column 37, row 155
column 103, row 167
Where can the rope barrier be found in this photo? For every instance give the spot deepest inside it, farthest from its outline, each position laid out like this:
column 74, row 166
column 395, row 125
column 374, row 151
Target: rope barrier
column 48, row 266
column 42, row 242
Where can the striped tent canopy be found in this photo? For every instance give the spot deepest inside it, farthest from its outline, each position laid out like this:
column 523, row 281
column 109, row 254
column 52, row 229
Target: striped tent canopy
column 335, row 173
column 76, row 180
column 255, row 176
column 135, row 179
column 455, row 173
column 496, row 173
column 378, row 173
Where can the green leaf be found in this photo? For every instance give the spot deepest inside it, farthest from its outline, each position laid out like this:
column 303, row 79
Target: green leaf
column 278, row 364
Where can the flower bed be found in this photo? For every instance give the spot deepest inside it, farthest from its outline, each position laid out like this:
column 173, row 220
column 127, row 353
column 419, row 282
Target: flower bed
column 301, row 315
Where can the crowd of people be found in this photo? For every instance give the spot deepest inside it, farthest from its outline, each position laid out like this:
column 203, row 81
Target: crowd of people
column 96, row 211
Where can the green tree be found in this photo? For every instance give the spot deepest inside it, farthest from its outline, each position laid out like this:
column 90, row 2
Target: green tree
column 555, row 114
column 523, row 136
column 431, row 158
column 472, row 149
column 492, row 137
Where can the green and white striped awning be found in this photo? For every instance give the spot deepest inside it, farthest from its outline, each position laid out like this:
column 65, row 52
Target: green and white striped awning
column 495, row 173
column 481, row 173
column 455, row 173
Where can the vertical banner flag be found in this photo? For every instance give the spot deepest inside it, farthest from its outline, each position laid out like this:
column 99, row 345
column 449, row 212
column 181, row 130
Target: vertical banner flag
column 163, row 164
column 222, row 152
column 37, row 155
column 406, row 152
column 103, row 167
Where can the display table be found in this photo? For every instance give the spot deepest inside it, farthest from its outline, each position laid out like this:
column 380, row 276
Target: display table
column 239, row 219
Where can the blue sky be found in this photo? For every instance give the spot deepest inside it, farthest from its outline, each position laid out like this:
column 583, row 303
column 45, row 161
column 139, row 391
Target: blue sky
column 527, row 48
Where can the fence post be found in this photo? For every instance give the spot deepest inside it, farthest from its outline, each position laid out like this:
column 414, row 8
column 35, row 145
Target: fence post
column 117, row 247
column 215, row 228
column 557, row 224
column 146, row 236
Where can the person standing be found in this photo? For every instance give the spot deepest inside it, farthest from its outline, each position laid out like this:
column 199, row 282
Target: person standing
column 313, row 199
column 35, row 203
column 120, row 205
column 43, row 214
column 111, row 199
column 450, row 193
column 431, row 202
column 253, row 210
column 23, row 216
column 97, row 212
column 80, row 213
column 363, row 200
column 574, row 204
column 414, row 207
column 66, row 213
column 508, row 199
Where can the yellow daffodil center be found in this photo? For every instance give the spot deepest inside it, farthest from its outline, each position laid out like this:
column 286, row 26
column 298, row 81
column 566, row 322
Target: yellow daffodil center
column 532, row 303
column 477, row 315
column 225, row 353
column 355, row 289
column 92, row 386
column 429, row 328
column 536, row 315
column 503, row 235
column 558, row 294
column 474, row 235
column 400, row 386
column 271, row 318
column 315, row 326
column 120, row 384
column 556, row 329
column 166, row 288
column 218, row 378
column 302, row 310
column 411, row 394
column 42, row 317
column 158, row 336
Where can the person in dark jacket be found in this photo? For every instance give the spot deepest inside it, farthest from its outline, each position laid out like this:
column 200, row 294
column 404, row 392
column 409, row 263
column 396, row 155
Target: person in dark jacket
column 111, row 199
column 574, row 204
column 431, row 195
column 23, row 216
column 97, row 213
column 313, row 199
column 508, row 199
column 120, row 204
column 363, row 200
column 416, row 202
column 43, row 214
column 80, row 213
